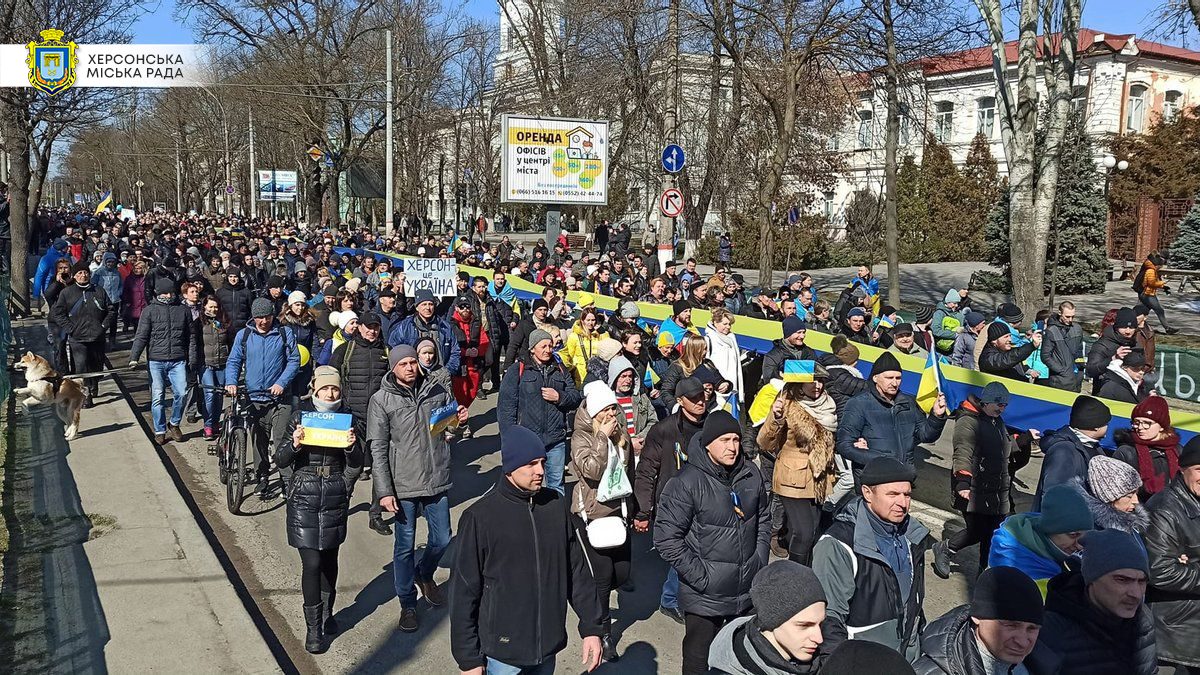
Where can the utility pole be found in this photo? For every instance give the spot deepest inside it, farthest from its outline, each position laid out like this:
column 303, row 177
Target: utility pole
column 252, row 195
column 389, row 187
column 441, row 190
column 178, row 179
column 666, row 224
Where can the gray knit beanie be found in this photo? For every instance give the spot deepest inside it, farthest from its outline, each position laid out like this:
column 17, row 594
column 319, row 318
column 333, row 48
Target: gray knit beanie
column 782, row 590
column 538, row 335
column 1110, row 479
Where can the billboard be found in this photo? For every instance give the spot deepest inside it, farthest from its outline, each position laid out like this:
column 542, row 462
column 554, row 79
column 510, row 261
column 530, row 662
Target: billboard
column 276, row 186
column 547, row 160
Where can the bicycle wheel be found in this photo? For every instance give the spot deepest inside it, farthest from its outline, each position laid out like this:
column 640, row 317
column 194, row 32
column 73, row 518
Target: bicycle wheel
column 223, row 455
column 235, row 488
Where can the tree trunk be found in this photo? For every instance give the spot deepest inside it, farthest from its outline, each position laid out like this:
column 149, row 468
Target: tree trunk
column 891, row 143
column 16, row 134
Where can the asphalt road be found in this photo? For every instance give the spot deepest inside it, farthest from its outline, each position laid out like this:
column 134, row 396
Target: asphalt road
column 367, row 608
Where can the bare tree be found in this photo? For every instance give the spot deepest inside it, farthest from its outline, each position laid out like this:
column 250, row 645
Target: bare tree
column 1033, row 180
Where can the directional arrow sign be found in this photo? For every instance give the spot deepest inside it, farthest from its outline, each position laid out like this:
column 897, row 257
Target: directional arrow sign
column 671, row 202
column 314, row 153
column 673, row 158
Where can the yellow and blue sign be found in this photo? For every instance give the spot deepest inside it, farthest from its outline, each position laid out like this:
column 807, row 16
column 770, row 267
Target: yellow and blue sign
column 443, row 418
column 799, row 370
column 327, row 430
column 52, row 63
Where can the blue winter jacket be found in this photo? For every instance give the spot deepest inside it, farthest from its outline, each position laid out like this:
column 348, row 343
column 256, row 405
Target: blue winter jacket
column 109, row 279
column 521, row 399
column 891, row 429
column 1008, row 551
column 406, row 332
column 1065, row 457
column 45, row 270
column 271, row 358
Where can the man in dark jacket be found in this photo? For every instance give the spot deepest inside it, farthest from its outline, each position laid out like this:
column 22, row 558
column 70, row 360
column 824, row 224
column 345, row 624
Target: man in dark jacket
column 845, row 379
column 1062, row 349
column 171, row 341
column 1115, row 343
column 790, row 347
column 1125, row 380
column 235, row 297
column 1067, row 451
column 411, row 473
column 81, row 310
column 1000, row 357
column 1174, row 577
column 1096, row 618
column 519, row 562
column 995, row 633
column 495, row 318
column 871, row 563
column 713, row 526
column 518, row 341
column 883, row 421
column 539, row 394
column 663, row 455
column 361, row 362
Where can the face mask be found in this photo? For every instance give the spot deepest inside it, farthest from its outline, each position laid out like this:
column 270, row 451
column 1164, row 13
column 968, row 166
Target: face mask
column 326, row 406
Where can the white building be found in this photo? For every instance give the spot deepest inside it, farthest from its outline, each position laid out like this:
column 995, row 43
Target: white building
column 1122, row 83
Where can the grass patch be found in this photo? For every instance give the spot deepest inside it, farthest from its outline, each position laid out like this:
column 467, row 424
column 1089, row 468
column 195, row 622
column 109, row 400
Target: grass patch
column 101, row 525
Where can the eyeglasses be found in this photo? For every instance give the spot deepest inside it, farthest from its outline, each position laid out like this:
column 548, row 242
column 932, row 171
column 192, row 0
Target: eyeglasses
column 1142, row 424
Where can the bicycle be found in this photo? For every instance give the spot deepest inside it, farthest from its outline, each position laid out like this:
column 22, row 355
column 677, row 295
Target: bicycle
column 238, row 432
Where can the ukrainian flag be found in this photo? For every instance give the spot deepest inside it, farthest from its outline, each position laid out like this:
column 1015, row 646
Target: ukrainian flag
column 105, row 202
column 651, row 378
column 931, row 383
column 886, row 322
column 455, row 242
column 797, row 370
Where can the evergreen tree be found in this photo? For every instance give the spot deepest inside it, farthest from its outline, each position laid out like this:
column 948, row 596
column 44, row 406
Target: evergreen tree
column 1077, row 259
column 912, row 213
column 981, row 189
column 1185, row 250
column 942, row 188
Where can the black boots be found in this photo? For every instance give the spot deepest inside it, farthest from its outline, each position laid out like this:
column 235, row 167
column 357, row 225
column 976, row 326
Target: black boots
column 608, row 645
column 314, row 639
column 941, row 559
column 327, row 620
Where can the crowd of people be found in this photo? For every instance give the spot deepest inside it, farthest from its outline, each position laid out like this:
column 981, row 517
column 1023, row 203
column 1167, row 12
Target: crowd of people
column 612, row 426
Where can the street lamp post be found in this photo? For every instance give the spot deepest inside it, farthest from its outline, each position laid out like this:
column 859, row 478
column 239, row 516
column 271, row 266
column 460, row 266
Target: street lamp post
column 225, row 124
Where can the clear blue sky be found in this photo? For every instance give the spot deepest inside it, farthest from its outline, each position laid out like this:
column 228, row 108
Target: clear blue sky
column 1116, row 16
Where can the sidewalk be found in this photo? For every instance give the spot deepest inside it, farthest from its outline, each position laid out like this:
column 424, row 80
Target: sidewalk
column 128, row 581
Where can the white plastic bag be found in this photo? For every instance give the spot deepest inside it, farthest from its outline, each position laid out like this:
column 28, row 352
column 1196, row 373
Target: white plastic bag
column 614, row 483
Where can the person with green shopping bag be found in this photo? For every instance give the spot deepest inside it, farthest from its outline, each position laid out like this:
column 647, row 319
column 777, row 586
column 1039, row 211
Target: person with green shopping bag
column 602, row 457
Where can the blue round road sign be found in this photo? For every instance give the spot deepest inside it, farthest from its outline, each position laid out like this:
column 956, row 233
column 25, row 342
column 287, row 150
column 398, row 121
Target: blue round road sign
column 673, row 158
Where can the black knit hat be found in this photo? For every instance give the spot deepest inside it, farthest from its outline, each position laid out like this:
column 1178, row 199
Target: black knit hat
column 1007, row 594
column 996, row 331
column 1089, row 413
column 1190, row 456
column 883, row 470
column 679, row 307
column 855, row 657
column 924, row 313
column 1126, row 318
column 886, row 362
column 1010, row 313
column 782, row 590
column 80, row 266
column 717, row 424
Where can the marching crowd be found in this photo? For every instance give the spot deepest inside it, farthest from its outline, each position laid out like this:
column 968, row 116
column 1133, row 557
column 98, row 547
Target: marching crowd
column 612, row 426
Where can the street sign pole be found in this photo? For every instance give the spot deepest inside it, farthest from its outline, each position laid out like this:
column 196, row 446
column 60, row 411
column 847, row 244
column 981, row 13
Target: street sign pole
column 389, row 188
column 666, row 224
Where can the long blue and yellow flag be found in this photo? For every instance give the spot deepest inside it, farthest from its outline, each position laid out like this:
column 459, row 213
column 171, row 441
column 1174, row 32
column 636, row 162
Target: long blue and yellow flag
column 105, row 202
column 931, row 383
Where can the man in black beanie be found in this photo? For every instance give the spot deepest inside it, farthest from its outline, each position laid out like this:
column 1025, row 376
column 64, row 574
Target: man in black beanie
column 1115, row 342
column 885, row 422
column 1068, row 450
column 873, row 545
column 81, row 311
column 712, row 525
column 783, row 636
column 997, row 632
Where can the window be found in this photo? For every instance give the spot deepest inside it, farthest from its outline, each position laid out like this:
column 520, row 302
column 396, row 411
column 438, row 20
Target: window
column 1172, row 104
column 1079, row 99
column 943, row 124
column 905, row 125
column 635, row 197
column 985, row 116
column 1135, row 108
column 833, row 144
column 828, row 206
column 865, row 132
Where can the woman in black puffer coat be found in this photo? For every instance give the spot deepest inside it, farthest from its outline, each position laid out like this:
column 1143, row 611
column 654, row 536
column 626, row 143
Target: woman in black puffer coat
column 318, row 505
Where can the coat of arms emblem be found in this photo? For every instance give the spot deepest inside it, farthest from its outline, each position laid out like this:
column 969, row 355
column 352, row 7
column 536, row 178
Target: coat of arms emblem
column 52, row 63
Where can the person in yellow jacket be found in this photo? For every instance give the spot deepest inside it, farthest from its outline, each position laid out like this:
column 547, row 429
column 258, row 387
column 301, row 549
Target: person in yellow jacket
column 1147, row 284
column 581, row 344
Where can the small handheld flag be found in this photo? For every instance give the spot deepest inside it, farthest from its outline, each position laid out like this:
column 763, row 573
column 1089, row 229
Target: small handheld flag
column 651, row 378
column 797, row 370
column 886, row 322
column 931, row 383
column 454, row 244
column 443, row 418
column 105, row 202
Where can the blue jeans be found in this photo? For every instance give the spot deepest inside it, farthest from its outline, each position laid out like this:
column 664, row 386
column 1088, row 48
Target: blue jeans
column 213, row 398
column 670, row 590
column 556, row 463
column 437, row 518
column 160, row 372
column 495, row 667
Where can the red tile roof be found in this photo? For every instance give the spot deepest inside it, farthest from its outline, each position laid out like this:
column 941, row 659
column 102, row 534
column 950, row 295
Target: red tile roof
column 981, row 57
